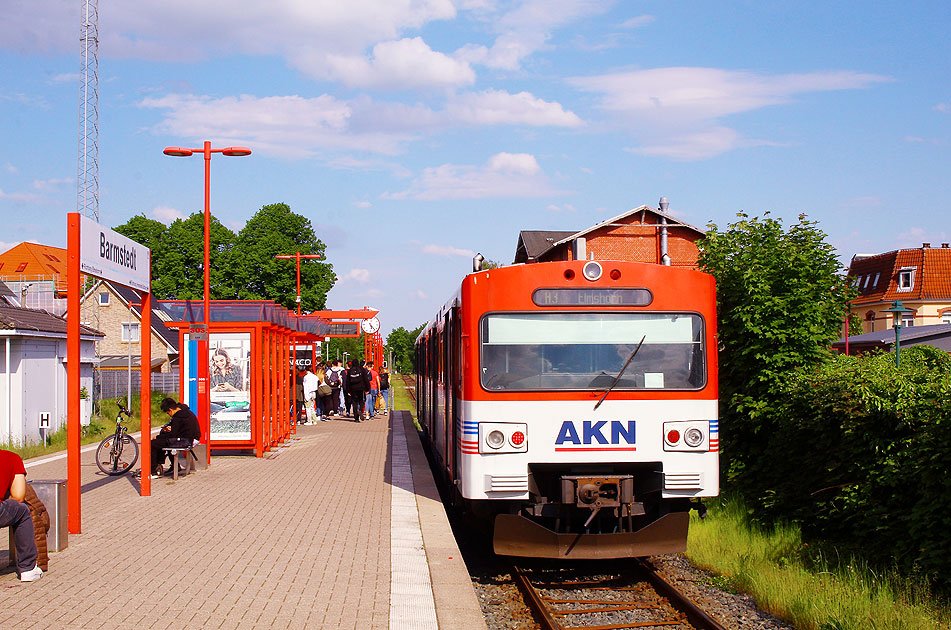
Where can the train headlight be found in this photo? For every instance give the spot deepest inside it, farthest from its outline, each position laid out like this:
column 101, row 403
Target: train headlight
column 693, row 437
column 495, row 439
column 591, row 270
column 688, row 435
column 501, row 437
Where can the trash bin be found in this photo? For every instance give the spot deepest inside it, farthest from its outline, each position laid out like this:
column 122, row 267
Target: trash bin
column 52, row 492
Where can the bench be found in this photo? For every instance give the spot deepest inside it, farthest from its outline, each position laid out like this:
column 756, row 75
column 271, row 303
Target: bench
column 177, row 452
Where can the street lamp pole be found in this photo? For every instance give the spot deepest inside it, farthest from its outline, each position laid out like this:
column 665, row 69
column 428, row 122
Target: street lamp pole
column 897, row 310
column 203, row 393
column 298, row 256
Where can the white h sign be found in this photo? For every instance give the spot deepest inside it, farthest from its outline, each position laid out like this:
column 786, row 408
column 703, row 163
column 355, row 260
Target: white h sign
column 107, row 254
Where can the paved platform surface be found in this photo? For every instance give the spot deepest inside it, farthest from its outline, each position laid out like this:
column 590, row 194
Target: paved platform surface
column 340, row 528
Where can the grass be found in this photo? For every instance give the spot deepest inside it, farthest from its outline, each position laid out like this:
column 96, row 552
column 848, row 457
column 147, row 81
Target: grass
column 102, row 424
column 771, row 566
column 401, row 400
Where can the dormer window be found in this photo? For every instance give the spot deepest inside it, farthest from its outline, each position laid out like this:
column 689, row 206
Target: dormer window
column 875, row 281
column 867, row 279
column 103, row 299
column 906, row 279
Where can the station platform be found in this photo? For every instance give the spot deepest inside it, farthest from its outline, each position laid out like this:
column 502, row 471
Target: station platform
column 341, row 527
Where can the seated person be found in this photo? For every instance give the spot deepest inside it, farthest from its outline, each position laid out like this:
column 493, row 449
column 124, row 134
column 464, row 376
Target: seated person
column 182, row 430
column 16, row 514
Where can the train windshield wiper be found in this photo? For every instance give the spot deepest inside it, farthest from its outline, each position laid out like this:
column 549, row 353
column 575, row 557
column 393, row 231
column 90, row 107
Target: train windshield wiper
column 621, row 373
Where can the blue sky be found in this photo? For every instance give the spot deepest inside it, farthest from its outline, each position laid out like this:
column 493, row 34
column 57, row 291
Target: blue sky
column 415, row 133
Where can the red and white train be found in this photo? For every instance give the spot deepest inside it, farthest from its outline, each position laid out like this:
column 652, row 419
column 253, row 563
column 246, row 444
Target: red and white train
column 510, row 374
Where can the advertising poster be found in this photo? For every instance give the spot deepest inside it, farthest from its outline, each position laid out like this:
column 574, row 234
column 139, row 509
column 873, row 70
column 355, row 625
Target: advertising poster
column 229, row 385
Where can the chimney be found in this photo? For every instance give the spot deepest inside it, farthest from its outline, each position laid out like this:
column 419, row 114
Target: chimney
column 579, row 248
column 945, row 245
column 926, row 245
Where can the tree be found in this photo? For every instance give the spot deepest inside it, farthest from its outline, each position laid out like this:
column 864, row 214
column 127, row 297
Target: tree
column 780, row 302
column 275, row 230
column 178, row 256
column 401, row 343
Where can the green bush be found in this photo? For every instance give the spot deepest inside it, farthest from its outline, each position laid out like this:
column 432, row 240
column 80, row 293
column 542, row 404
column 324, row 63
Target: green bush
column 858, row 452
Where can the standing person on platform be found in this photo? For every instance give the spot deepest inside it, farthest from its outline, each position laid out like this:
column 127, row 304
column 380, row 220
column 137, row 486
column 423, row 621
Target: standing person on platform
column 357, row 385
column 385, row 387
column 374, row 378
column 16, row 514
column 182, row 430
column 324, row 392
column 311, row 383
column 335, row 380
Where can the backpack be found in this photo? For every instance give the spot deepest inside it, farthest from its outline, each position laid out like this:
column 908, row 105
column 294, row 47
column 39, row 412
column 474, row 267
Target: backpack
column 384, row 382
column 355, row 380
column 334, row 379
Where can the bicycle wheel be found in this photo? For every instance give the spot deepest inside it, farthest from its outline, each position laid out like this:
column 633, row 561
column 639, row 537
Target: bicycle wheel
column 117, row 458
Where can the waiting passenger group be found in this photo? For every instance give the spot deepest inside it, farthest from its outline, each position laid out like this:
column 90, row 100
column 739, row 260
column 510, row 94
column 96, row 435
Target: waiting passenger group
column 355, row 390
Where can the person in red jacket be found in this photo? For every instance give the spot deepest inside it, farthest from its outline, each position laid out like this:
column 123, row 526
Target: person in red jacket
column 15, row 513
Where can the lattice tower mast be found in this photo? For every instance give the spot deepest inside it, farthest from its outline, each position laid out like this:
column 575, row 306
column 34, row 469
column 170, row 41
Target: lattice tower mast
column 88, row 197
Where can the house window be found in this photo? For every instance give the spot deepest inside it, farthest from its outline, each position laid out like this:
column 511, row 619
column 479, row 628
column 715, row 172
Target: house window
column 908, row 320
column 103, row 299
column 906, row 279
column 875, row 281
column 946, row 318
column 130, row 329
column 867, row 279
column 20, row 267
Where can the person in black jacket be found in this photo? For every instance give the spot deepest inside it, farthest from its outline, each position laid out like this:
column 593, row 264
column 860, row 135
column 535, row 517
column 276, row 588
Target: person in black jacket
column 182, row 430
column 356, row 383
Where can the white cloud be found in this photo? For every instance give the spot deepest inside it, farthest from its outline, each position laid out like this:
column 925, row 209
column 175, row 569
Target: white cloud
column 514, row 175
column 447, row 251
column 287, row 126
column 373, row 293
column 527, row 29
column 563, row 208
column 50, row 184
column 362, row 204
column 69, row 77
column 360, row 276
column 419, row 293
column 27, row 197
column 167, row 215
column 10, row 168
column 639, row 21
column 942, row 107
column 866, row 201
column 676, row 112
column 495, row 107
column 403, row 64
column 4, row 246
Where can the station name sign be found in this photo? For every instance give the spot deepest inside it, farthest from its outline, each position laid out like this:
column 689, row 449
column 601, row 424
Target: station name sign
column 111, row 256
column 591, row 297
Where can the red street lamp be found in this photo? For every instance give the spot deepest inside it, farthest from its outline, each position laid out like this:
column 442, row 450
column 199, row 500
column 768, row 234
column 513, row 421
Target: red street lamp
column 298, row 256
column 206, row 151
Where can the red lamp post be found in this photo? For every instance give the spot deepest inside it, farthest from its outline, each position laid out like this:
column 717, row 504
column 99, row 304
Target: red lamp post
column 206, row 151
column 298, row 256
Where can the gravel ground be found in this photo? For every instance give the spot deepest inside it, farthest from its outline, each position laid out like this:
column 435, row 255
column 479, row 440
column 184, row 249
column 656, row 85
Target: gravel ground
column 504, row 609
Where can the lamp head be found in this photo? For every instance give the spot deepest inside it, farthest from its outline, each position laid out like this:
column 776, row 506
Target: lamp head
column 177, row 151
column 236, row 151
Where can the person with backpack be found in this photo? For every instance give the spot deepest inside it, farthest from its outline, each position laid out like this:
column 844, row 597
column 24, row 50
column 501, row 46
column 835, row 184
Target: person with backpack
column 357, row 384
column 334, row 379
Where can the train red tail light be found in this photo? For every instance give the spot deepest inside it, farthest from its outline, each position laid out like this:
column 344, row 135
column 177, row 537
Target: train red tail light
column 673, row 436
column 518, row 438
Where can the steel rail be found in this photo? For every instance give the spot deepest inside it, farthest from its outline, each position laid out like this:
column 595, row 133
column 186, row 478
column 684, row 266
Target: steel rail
column 696, row 616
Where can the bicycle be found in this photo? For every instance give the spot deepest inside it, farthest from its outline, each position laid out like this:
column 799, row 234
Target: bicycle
column 118, row 453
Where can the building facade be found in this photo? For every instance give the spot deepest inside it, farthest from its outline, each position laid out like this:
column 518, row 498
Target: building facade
column 919, row 278
column 644, row 234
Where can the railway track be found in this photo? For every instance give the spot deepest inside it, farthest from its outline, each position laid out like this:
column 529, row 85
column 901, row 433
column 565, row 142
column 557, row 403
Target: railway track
column 607, row 596
column 409, row 383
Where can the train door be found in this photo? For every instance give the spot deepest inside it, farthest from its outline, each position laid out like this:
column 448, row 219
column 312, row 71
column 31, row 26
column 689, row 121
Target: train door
column 448, row 374
column 455, row 388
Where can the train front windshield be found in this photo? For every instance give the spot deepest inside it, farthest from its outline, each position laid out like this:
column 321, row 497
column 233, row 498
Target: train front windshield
column 577, row 351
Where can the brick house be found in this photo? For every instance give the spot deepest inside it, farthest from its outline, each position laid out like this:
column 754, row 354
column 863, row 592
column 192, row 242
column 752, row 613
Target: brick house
column 920, row 278
column 106, row 306
column 643, row 234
